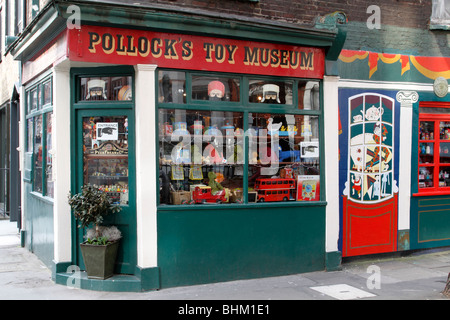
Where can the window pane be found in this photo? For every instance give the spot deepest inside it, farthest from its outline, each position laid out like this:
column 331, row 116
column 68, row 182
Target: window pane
column 106, row 88
column 106, row 155
column 444, row 128
column 308, row 95
column 49, row 160
column 39, row 96
column 201, row 156
column 283, row 155
column 426, row 177
column 37, row 181
column 444, row 177
column 215, row 88
column 47, row 93
column 426, row 130
column 172, row 87
column 34, row 99
column 30, row 135
column 273, row 92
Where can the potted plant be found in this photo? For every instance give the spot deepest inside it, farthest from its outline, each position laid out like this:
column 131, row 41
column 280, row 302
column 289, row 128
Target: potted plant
column 99, row 251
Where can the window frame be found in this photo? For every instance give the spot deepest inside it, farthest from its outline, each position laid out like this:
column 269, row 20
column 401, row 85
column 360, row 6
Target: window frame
column 40, row 110
column 436, row 118
column 246, row 108
column 438, row 21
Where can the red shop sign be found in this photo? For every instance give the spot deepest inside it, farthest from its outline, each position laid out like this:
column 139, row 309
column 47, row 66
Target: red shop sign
column 168, row 50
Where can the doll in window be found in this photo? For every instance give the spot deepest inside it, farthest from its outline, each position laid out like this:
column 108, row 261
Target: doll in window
column 216, row 91
column 96, row 90
column 271, row 94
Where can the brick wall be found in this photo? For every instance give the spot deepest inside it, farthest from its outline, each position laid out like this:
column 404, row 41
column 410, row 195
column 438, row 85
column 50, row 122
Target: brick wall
column 404, row 23
column 405, row 13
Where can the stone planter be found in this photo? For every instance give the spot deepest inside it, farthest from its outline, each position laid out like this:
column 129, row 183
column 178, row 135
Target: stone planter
column 99, row 259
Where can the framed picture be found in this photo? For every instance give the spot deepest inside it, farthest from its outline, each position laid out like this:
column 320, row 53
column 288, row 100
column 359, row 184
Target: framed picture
column 177, row 173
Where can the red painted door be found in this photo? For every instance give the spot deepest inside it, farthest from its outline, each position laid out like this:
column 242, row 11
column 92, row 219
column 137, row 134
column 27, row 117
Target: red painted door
column 369, row 228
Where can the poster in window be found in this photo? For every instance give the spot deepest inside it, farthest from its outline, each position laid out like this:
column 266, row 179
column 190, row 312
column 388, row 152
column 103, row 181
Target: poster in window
column 107, row 130
column 308, row 188
column 309, row 149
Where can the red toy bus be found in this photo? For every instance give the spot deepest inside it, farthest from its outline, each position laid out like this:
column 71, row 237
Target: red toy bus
column 203, row 195
column 276, row 189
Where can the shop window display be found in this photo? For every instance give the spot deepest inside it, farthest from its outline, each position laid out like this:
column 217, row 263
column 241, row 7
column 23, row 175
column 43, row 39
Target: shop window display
column 434, row 149
column 105, row 160
column 172, row 87
column 39, row 135
column 201, row 156
column 273, row 92
column 49, row 159
column 38, row 154
column 224, row 156
column 215, row 88
column 105, row 89
column 283, row 157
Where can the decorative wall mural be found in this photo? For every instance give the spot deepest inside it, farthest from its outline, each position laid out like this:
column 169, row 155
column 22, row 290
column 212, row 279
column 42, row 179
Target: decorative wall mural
column 369, row 208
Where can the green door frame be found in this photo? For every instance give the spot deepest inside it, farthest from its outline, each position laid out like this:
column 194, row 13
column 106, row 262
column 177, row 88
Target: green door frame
column 104, row 108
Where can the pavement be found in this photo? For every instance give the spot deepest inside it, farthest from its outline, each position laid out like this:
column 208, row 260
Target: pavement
column 418, row 275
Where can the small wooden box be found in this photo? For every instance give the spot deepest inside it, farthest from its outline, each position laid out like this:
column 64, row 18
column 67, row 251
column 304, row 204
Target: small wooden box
column 179, row 197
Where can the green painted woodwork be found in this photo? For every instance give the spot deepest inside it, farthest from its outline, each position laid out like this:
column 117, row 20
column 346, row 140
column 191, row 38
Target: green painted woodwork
column 126, row 219
column 38, row 223
column 333, row 261
column 430, row 215
column 430, row 221
column 38, row 209
column 220, row 244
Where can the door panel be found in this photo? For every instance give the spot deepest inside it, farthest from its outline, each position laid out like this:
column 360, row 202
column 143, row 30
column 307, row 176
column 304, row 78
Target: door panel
column 105, row 158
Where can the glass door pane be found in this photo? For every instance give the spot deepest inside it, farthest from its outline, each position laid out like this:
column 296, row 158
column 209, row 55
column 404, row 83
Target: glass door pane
column 105, row 155
column 426, row 130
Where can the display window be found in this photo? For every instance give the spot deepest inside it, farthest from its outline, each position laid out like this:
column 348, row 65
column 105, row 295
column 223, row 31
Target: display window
column 37, row 154
column 39, row 108
column 215, row 88
column 216, row 153
column 172, row 87
column 434, row 155
column 105, row 156
column 49, row 158
column 271, row 92
column 105, row 88
column 434, row 149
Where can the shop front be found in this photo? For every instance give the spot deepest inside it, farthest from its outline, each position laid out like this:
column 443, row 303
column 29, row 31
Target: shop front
column 213, row 147
column 234, row 150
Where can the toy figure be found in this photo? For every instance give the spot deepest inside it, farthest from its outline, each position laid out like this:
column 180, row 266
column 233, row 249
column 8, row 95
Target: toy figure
column 216, row 90
column 273, row 127
column 271, row 93
column 166, row 87
column 126, row 125
column 96, row 90
column 215, row 186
